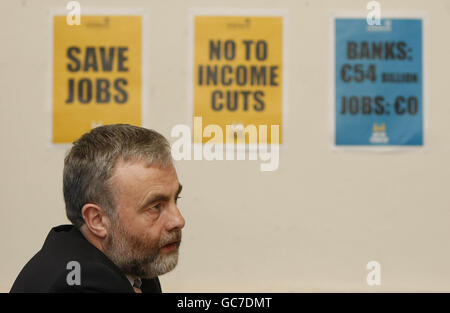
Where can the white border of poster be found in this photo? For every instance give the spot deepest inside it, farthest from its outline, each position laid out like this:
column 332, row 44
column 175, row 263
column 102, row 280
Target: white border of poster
column 190, row 72
column 144, row 63
column 425, row 78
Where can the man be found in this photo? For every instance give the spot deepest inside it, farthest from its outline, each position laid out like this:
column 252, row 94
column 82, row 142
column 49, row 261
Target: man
column 121, row 191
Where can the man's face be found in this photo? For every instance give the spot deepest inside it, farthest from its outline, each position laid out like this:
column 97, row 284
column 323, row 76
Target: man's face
column 144, row 238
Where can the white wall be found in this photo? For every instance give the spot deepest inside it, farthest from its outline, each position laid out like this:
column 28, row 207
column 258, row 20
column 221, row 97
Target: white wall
column 310, row 226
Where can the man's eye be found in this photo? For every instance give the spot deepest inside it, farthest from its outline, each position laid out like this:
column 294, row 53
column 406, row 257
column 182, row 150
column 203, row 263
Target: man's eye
column 176, row 200
column 156, row 207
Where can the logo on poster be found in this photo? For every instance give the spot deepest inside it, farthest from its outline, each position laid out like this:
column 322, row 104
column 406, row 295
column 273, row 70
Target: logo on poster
column 387, row 27
column 379, row 134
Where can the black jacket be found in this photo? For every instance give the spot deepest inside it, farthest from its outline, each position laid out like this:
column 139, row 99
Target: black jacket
column 47, row 270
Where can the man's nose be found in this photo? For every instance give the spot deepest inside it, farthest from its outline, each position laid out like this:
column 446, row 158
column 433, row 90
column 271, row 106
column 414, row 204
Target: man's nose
column 176, row 220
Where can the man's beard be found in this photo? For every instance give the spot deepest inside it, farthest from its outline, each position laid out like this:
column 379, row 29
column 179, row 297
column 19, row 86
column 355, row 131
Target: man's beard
column 139, row 256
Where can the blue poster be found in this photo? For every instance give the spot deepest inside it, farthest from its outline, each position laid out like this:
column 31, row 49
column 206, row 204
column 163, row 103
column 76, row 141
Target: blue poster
column 378, row 82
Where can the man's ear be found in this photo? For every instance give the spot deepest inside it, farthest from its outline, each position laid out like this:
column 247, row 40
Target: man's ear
column 96, row 219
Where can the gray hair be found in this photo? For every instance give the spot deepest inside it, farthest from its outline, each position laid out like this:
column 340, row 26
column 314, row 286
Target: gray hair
column 89, row 164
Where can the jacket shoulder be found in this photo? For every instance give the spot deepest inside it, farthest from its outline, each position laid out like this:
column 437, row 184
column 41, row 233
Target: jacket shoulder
column 90, row 277
column 68, row 262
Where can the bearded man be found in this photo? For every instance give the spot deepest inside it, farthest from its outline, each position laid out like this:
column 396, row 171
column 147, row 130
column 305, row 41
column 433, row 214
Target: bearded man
column 120, row 190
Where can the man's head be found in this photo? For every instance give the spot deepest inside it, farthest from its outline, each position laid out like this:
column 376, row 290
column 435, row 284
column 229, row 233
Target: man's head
column 121, row 190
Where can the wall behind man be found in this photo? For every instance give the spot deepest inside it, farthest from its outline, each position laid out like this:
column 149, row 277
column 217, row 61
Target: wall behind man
column 312, row 225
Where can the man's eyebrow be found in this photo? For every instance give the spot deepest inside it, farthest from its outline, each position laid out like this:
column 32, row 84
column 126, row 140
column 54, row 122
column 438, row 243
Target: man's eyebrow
column 180, row 187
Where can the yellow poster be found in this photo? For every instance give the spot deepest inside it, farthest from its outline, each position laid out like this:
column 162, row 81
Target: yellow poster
column 238, row 72
column 96, row 74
